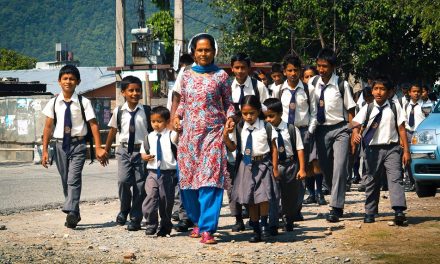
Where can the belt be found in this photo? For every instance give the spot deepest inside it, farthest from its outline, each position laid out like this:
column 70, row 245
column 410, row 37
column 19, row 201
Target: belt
column 260, row 157
column 135, row 146
column 72, row 140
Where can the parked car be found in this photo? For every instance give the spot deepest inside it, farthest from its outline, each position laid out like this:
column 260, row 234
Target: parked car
column 425, row 152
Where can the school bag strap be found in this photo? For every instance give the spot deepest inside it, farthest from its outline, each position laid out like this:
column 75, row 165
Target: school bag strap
column 370, row 109
column 340, row 86
column 147, row 110
column 306, row 90
column 147, row 146
column 255, row 87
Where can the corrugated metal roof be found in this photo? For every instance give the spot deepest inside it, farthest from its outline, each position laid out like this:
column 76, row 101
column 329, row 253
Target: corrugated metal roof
column 91, row 78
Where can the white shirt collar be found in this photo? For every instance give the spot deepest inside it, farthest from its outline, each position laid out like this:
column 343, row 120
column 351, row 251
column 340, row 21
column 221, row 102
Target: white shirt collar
column 419, row 102
column 256, row 125
column 286, row 85
column 332, row 80
column 74, row 97
column 247, row 82
column 125, row 107
column 384, row 104
column 282, row 125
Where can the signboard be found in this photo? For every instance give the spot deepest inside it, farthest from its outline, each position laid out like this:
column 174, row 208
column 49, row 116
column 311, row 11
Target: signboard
column 152, row 74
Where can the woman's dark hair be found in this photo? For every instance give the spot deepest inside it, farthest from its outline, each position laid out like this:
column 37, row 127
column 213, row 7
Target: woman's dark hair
column 327, row 55
column 162, row 111
column 253, row 101
column 312, row 68
column 241, row 57
column 293, row 60
column 186, row 59
column 69, row 69
column 196, row 39
column 274, row 104
column 383, row 80
column 129, row 80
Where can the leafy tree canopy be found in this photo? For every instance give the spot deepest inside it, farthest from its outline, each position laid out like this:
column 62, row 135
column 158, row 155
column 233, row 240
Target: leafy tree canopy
column 12, row 60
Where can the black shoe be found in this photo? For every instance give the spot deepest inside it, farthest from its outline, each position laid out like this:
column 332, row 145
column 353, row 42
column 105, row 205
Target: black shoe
column 348, row 187
column 72, row 220
column 134, row 226
column 163, row 232
column 369, row 218
column 356, row 179
column 311, row 199
column 239, row 226
column 325, row 191
column 121, row 218
column 150, row 231
column 334, row 215
column 399, row 218
column 321, row 200
column 175, row 216
column 265, row 231
column 273, row 230
column 255, row 238
column 410, row 187
column 361, row 188
column 288, row 227
column 245, row 213
column 183, row 225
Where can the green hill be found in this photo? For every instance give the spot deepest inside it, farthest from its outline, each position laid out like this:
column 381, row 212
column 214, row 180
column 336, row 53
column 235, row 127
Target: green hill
column 88, row 27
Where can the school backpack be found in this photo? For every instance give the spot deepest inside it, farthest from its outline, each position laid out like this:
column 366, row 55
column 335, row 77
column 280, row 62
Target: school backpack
column 89, row 136
column 147, row 110
column 147, row 146
column 370, row 109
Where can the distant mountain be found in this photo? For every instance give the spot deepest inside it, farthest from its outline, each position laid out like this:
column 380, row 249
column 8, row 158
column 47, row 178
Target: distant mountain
column 88, row 27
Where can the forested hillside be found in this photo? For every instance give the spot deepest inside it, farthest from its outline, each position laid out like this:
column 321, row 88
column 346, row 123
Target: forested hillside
column 87, row 26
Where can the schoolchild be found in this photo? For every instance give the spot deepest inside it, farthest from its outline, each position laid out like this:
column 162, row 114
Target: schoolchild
column 70, row 113
column 159, row 150
column 425, row 94
column 258, row 163
column 184, row 61
column 335, row 109
column 131, row 120
column 291, row 162
column 378, row 126
column 261, row 76
column 278, row 78
column 243, row 84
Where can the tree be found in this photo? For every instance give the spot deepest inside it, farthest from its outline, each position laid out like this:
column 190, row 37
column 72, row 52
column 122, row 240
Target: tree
column 12, row 60
column 163, row 29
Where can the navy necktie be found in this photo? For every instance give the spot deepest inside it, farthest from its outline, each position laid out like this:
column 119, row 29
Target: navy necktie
column 247, row 158
column 240, row 100
column 158, row 155
column 373, row 127
column 320, row 115
column 282, row 155
column 131, row 131
column 292, row 107
column 67, row 137
column 411, row 115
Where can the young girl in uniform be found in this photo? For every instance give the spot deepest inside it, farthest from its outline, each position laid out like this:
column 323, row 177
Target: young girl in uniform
column 258, row 162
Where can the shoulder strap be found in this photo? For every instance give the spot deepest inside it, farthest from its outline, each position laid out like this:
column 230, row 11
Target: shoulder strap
column 341, row 87
column 367, row 117
column 393, row 108
column 315, row 81
column 173, row 148
column 147, row 110
column 306, row 90
column 89, row 136
column 146, row 144
column 54, row 112
column 292, row 135
column 118, row 118
column 268, row 127
column 255, row 87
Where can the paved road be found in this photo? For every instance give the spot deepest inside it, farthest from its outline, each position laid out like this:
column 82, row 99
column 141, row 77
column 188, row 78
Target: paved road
column 29, row 186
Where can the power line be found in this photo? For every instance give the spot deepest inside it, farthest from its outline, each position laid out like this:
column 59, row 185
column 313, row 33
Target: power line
column 202, row 22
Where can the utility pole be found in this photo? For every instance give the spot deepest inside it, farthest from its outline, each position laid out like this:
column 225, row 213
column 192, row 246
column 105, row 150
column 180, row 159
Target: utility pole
column 120, row 46
column 178, row 23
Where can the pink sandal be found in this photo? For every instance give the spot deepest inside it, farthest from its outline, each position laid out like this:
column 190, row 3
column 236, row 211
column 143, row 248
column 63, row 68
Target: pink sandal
column 195, row 233
column 207, row 238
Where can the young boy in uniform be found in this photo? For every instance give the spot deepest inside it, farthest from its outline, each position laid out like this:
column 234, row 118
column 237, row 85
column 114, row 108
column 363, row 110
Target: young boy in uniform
column 277, row 76
column 383, row 123
column 132, row 121
column 157, row 151
column 72, row 113
column 335, row 109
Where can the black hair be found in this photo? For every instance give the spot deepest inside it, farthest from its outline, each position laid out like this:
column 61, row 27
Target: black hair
column 186, row 59
column 69, row 69
column 253, row 101
column 327, row 55
column 162, row 111
column 274, row 104
column 241, row 57
column 383, row 80
column 426, row 87
column 196, row 39
column 312, row 68
column 277, row 67
column 405, row 86
column 129, row 80
column 291, row 59
column 415, row 84
column 367, row 92
column 256, row 74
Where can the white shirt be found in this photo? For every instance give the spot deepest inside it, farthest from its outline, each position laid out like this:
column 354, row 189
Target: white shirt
column 419, row 116
column 259, row 138
column 286, row 138
column 140, row 123
column 168, row 161
column 79, row 127
column 386, row 132
column 248, row 90
column 275, row 90
column 302, row 115
column 335, row 108
column 176, row 88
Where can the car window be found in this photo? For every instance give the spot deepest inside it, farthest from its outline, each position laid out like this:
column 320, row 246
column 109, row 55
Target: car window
column 437, row 108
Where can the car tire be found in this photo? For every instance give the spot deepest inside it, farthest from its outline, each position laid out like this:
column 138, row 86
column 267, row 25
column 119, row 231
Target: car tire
column 426, row 189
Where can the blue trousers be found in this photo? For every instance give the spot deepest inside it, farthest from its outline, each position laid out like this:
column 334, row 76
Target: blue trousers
column 203, row 207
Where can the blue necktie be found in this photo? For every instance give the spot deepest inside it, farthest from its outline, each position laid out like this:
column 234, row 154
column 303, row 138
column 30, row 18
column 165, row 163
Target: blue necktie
column 131, row 131
column 320, row 115
column 240, row 100
column 292, row 107
column 373, row 127
column 67, row 137
column 282, row 155
column 158, row 155
column 411, row 115
column 247, row 158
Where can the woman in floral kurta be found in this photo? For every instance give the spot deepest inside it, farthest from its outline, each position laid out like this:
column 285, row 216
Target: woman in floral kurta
column 204, row 106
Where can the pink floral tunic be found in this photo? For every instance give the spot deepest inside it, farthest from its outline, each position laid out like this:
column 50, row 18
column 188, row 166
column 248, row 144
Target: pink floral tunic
column 204, row 106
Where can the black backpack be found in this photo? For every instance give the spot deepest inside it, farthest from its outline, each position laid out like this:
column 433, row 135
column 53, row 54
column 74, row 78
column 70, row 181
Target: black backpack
column 89, row 136
column 147, row 146
column 147, row 110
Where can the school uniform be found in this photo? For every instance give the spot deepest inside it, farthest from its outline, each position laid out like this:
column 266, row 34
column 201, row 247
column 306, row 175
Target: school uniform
column 383, row 152
column 248, row 89
column 332, row 135
column 254, row 182
column 274, row 90
column 70, row 158
column 130, row 164
column 161, row 180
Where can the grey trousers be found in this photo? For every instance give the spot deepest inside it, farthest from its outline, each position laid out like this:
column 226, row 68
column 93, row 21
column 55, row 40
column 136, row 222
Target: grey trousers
column 378, row 159
column 332, row 144
column 131, row 175
column 70, row 167
column 160, row 195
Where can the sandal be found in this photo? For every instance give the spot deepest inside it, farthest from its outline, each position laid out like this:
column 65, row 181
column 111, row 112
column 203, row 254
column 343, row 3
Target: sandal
column 207, row 238
column 195, row 233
